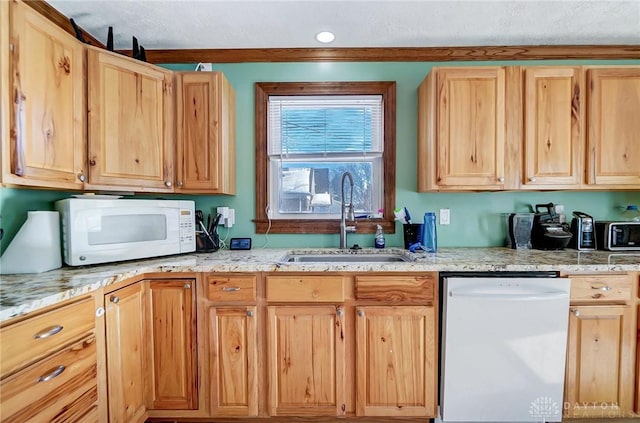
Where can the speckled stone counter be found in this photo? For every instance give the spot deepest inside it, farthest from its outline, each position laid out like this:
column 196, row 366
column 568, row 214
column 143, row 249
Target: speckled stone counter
column 21, row 294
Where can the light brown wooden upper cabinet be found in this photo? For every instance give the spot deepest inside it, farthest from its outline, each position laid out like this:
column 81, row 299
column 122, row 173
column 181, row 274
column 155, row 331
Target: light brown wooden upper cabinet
column 461, row 129
column 131, row 124
column 614, row 127
column 44, row 88
column 554, row 121
column 205, row 145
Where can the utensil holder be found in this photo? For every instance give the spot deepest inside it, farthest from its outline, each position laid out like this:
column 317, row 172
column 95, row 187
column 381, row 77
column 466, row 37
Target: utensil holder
column 412, row 233
column 207, row 243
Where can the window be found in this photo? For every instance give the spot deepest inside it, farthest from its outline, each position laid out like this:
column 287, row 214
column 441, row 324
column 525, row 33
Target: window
column 307, row 136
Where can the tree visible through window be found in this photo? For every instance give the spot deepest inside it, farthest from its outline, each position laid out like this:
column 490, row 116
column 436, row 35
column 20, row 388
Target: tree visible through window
column 307, row 136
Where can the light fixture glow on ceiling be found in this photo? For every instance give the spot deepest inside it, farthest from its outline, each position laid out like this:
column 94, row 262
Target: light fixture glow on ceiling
column 325, row 37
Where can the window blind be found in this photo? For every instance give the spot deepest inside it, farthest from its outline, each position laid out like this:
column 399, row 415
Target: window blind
column 325, row 125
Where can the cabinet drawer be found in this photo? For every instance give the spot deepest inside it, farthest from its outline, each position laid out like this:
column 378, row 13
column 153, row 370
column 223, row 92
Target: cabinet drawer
column 30, row 339
column 400, row 289
column 62, row 387
column 231, row 288
column 317, row 288
column 601, row 288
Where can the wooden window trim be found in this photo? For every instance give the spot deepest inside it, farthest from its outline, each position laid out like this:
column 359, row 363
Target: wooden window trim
column 324, row 226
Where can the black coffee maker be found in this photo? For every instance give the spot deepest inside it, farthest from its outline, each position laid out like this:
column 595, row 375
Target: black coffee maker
column 547, row 232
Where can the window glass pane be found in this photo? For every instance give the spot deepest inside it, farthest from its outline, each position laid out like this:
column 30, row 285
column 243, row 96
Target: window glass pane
column 325, row 124
column 313, row 188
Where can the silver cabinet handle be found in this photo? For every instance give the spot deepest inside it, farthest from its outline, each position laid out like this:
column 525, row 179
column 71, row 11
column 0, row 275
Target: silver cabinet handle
column 601, row 288
column 250, row 313
column 114, row 299
column 576, row 313
column 100, row 312
column 179, row 183
column 168, row 184
column 48, row 332
column 56, row 372
column 340, row 312
column 361, row 313
column 230, row 289
column 81, row 177
column 532, row 179
column 501, row 179
column 187, row 286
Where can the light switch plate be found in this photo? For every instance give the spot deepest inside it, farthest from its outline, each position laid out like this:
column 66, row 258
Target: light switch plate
column 445, row 216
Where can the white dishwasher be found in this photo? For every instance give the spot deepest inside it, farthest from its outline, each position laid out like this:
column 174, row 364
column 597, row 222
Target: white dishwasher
column 503, row 348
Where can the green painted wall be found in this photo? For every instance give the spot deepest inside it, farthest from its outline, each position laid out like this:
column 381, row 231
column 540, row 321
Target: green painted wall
column 475, row 217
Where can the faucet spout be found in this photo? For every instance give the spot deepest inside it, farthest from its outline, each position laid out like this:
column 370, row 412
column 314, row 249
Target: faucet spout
column 347, row 211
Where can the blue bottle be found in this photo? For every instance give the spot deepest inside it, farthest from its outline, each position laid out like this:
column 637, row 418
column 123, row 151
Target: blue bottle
column 429, row 236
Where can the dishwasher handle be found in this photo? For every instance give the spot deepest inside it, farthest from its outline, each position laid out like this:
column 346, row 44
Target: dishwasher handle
column 522, row 296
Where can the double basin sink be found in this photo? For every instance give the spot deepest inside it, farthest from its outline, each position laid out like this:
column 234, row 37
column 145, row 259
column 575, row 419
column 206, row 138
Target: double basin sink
column 346, row 257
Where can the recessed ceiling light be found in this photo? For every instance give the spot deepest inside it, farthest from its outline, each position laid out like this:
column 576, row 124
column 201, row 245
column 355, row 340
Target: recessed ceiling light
column 325, row 36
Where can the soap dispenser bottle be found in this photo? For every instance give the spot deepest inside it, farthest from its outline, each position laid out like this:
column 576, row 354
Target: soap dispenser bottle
column 379, row 241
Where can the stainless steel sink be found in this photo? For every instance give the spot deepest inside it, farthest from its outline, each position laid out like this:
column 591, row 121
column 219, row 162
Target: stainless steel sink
column 345, row 258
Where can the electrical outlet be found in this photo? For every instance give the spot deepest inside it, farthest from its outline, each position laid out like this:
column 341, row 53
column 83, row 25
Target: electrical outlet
column 445, row 216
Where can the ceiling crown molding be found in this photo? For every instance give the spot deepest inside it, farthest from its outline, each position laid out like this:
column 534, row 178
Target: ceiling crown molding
column 406, row 54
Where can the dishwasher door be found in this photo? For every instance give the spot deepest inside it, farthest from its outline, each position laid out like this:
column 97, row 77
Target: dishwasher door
column 503, row 349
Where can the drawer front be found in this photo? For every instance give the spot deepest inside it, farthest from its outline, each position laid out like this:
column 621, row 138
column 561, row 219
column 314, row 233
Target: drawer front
column 601, row 288
column 30, row 339
column 231, row 288
column 399, row 289
column 305, row 288
column 62, row 387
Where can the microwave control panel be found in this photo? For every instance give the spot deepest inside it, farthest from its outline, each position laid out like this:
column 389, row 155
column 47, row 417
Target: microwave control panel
column 187, row 231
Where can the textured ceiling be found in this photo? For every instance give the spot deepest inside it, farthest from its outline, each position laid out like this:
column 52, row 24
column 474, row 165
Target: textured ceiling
column 186, row 24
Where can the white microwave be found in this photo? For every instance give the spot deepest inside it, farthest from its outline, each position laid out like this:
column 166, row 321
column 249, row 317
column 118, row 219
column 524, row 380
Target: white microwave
column 98, row 230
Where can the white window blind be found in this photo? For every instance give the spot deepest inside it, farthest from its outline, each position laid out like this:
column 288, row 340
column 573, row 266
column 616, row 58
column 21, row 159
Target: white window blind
column 325, row 125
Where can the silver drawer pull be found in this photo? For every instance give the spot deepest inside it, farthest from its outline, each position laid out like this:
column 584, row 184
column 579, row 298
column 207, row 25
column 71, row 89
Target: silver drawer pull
column 576, row 313
column 56, row 372
column 601, row 287
column 48, row 332
column 231, row 289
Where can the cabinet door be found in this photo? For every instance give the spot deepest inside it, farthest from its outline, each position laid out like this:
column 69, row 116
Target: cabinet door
column 130, row 123
column 554, row 127
column 600, row 362
column 613, row 110
column 172, row 344
column 126, row 359
column 47, row 119
column 396, row 361
column 306, row 360
column 470, row 127
column 205, row 149
column 234, row 361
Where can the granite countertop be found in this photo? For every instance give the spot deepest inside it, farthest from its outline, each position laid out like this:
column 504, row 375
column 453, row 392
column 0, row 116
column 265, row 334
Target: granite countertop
column 20, row 294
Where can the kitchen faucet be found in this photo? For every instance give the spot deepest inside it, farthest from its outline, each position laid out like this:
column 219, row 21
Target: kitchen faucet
column 343, row 224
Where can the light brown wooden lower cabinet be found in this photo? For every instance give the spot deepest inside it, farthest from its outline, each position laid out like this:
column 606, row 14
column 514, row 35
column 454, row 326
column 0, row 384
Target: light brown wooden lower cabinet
column 395, row 361
column 126, row 354
column 600, row 362
column 306, row 358
column 234, row 357
column 172, row 375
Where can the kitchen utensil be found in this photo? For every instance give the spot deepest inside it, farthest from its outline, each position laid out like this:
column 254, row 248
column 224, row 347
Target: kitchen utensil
column 582, row 229
column 519, row 230
column 547, row 233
